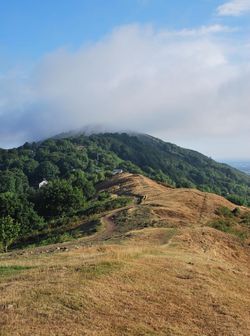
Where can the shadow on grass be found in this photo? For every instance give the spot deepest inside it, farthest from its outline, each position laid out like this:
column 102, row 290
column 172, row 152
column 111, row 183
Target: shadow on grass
column 59, row 235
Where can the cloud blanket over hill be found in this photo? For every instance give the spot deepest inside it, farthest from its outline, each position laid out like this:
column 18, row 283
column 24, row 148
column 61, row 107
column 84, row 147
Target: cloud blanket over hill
column 187, row 86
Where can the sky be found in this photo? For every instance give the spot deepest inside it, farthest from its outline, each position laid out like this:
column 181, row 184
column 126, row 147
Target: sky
column 178, row 70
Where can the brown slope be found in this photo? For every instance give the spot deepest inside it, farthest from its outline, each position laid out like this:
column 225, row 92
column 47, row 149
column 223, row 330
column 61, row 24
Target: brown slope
column 190, row 280
column 176, row 288
column 162, row 203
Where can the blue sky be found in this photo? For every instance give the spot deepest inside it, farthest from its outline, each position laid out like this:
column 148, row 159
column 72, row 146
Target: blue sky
column 30, row 28
column 178, row 69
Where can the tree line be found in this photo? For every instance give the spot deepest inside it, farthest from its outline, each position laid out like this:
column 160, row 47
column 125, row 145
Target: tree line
column 74, row 166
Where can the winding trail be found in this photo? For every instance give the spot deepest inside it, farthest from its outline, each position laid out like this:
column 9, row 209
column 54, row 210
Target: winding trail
column 105, row 233
column 109, row 224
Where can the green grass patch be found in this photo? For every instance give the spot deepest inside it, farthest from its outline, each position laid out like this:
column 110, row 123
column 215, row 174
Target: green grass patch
column 100, row 269
column 12, row 270
column 59, row 238
column 245, row 219
column 140, row 218
column 224, row 212
column 229, row 226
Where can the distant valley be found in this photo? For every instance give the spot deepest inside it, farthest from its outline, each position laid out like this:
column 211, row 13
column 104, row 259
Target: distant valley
column 244, row 166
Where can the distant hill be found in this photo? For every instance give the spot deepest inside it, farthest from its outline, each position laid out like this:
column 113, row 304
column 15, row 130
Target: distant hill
column 136, row 153
column 172, row 164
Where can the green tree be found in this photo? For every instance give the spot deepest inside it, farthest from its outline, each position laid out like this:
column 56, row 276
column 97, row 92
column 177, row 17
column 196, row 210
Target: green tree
column 9, row 231
column 47, row 170
column 21, row 211
column 13, row 180
column 30, row 167
column 58, row 198
column 79, row 180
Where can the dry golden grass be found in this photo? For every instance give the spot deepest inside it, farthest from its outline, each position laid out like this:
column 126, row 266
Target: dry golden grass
column 158, row 282
column 173, row 207
column 179, row 279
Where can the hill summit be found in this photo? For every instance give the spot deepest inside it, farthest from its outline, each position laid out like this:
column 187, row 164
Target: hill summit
column 169, row 163
column 44, row 185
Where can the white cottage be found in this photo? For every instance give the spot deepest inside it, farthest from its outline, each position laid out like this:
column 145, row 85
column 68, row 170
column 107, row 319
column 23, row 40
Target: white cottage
column 43, row 183
column 117, row 171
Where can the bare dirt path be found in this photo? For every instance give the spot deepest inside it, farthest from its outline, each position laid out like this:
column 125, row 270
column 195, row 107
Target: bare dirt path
column 109, row 224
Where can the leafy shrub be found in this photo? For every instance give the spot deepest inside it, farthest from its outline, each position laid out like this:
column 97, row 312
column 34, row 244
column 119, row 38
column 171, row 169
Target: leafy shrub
column 245, row 219
column 106, row 205
column 229, row 226
column 224, row 211
column 221, row 225
column 236, row 212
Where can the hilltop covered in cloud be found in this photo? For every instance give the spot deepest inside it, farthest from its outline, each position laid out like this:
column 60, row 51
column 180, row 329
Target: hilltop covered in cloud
column 179, row 85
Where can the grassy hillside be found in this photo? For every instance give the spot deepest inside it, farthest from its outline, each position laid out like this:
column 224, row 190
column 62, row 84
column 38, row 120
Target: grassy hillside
column 161, row 261
column 75, row 166
column 163, row 206
column 157, row 283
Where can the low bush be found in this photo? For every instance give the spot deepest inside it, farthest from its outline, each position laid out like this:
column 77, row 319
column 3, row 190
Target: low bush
column 224, row 212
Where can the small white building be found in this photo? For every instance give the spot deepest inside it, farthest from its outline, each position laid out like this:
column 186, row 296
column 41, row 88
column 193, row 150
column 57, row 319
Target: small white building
column 43, row 183
column 117, row 171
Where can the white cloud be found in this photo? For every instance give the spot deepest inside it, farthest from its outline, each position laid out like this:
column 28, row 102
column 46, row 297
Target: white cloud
column 202, row 31
column 180, row 86
column 234, row 8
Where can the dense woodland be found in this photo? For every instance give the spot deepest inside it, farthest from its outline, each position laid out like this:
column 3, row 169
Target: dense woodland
column 73, row 167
